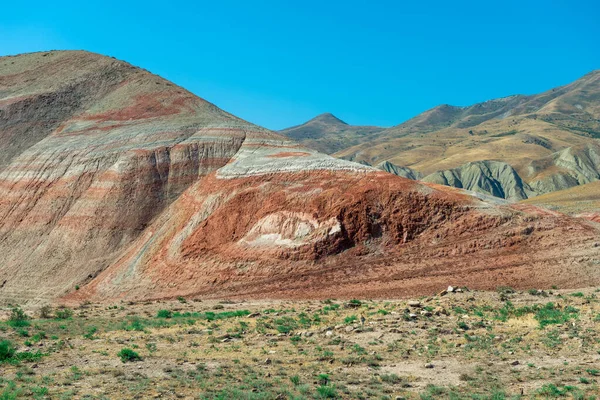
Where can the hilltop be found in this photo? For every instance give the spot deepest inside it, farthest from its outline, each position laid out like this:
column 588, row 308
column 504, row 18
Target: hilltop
column 328, row 134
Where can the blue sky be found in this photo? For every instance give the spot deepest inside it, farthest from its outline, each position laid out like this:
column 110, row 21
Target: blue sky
column 279, row 63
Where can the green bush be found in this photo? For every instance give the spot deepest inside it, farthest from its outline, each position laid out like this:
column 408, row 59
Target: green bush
column 553, row 314
column 164, row 314
column 128, row 355
column 7, row 350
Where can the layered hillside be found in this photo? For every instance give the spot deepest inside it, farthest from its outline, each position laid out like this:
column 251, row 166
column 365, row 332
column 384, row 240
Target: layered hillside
column 328, row 134
column 117, row 184
column 551, row 139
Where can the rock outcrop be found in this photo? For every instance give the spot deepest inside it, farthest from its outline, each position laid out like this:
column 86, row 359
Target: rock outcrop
column 120, row 183
column 398, row 170
column 565, row 169
column 488, row 177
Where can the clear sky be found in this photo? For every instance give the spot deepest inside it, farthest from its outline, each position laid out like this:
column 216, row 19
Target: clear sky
column 279, row 63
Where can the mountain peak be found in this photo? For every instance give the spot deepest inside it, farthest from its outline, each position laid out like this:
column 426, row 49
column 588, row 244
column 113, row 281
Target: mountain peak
column 328, row 118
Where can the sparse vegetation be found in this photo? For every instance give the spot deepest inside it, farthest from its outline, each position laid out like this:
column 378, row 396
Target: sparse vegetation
column 452, row 347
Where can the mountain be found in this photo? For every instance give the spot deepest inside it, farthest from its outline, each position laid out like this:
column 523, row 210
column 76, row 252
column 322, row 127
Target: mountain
column 541, row 137
column 327, row 133
column 116, row 184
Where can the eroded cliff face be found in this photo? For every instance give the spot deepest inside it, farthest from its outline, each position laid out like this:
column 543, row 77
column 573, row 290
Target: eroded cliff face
column 120, row 182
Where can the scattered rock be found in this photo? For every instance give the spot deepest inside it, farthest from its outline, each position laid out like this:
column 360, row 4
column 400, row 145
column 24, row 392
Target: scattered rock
column 440, row 311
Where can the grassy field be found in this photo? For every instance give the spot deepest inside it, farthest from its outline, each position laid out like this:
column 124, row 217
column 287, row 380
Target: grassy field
column 466, row 345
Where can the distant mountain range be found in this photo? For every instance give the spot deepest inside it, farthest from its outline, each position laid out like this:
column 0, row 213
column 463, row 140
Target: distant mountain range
column 515, row 147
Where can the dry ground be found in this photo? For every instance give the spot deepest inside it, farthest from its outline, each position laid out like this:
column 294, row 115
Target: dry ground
column 481, row 345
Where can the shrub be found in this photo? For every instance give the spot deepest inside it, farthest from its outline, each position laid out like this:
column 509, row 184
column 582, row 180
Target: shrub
column 164, row 314
column 7, row 350
column 552, row 314
column 505, row 290
column 90, row 333
column 46, row 312
column 463, row 325
column 354, row 303
column 127, row 354
column 323, row 379
column 18, row 318
column 286, row 324
column 63, row 313
column 392, row 379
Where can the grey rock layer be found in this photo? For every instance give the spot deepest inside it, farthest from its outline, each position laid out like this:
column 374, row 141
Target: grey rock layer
column 488, row 177
column 404, row 172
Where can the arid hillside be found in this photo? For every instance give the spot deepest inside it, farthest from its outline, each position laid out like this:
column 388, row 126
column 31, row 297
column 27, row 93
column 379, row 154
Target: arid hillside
column 117, row 184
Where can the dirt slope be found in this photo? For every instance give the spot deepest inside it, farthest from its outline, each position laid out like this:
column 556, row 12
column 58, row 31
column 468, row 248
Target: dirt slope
column 583, row 201
column 139, row 189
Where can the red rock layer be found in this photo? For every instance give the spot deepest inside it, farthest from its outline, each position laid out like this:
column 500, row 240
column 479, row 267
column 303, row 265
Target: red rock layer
column 394, row 237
